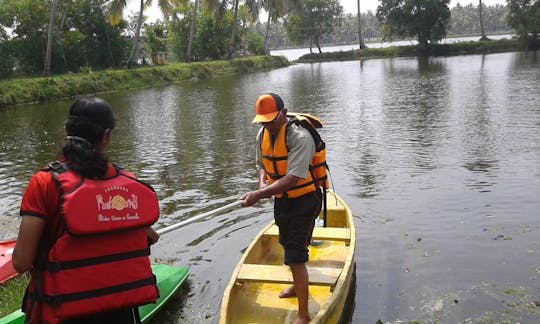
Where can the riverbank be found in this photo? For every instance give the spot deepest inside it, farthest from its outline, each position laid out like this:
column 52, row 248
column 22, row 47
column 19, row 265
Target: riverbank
column 451, row 49
column 19, row 91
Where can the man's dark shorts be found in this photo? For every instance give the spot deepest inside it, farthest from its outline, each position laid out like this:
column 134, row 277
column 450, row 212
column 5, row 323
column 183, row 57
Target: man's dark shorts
column 295, row 218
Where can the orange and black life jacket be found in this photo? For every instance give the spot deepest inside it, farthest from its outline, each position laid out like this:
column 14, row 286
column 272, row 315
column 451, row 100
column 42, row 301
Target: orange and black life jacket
column 100, row 262
column 275, row 153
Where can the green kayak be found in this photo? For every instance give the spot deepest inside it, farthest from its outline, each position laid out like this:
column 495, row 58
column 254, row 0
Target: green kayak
column 169, row 280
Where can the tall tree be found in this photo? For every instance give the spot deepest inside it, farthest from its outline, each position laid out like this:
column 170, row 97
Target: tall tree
column 50, row 31
column 192, row 30
column 316, row 19
column 270, row 10
column 232, row 46
column 116, row 8
column 275, row 9
column 175, row 11
column 361, row 44
column 524, row 17
column 219, row 7
column 481, row 16
column 424, row 19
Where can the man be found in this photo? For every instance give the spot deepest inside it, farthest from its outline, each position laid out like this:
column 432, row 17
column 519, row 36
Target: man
column 284, row 154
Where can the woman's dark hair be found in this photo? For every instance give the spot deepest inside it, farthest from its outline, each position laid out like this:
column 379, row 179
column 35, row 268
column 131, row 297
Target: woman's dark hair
column 87, row 121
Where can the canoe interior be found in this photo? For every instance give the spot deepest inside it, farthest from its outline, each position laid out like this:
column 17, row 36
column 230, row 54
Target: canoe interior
column 257, row 301
column 6, row 266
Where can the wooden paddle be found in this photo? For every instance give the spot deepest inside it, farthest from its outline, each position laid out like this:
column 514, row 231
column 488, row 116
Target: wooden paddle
column 195, row 218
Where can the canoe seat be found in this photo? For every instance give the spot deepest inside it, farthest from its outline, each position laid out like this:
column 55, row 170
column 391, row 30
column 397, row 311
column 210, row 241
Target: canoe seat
column 320, row 233
column 281, row 274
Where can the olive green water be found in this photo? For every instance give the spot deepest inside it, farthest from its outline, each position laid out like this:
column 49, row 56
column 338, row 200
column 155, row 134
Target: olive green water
column 439, row 160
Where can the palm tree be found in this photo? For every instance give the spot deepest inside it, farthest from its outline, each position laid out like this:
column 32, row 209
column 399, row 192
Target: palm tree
column 173, row 9
column 116, row 8
column 360, row 40
column 219, row 7
column 192, row 31
column 484, row 37
column 270, row 11
column 232, row 47
column 48, row 53
column 275, row 8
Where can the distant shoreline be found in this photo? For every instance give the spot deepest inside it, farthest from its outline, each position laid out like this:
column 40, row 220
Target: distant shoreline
column 450, row 49
column 293, row 54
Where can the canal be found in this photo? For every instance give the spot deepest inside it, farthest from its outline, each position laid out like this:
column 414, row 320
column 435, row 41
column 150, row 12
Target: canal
column 439, row 159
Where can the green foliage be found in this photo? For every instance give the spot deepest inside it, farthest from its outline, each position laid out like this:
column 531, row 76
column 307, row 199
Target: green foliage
column 19, row 91
column 155, row 37
column 524, row 17
column 82, row 37
column 11, row 293
column 86, row 69
column 28, row 20
column 464, row 20
column 7, row 63
column 316, row 19
column 254, row 43
column 211, row 39
column 424, row 19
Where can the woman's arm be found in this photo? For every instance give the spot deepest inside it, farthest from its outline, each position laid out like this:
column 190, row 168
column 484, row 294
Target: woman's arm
column 26, row 248
column 153, row 236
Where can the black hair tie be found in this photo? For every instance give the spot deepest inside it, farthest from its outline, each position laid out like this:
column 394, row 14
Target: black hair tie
column 79, row 139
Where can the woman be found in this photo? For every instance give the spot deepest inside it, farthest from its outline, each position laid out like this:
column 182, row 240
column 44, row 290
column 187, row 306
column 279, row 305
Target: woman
column 85, row 230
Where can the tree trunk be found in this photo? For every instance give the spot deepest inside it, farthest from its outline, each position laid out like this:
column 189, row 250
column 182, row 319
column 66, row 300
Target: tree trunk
column 266, row 51
column 192, row 31
column 361, row 44
column 135, row 47
column 109, row 48
column 50, row 31
column 108, row 38
column 231, row 47
column 484, row 37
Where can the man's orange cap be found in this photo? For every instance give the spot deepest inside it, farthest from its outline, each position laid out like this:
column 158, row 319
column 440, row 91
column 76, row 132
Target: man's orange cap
column 267, row 107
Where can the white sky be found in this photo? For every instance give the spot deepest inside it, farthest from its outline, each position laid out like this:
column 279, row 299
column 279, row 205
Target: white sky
column 365, row 5
column 349, row 5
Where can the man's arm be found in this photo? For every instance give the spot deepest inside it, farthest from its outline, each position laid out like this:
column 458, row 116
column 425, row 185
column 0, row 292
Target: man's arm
column 281, row 185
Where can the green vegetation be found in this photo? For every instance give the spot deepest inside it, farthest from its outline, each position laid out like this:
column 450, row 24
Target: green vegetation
column 18, row 91
column 425, row 20
column 70, row 39
column 524, row 17
column 51, row 37
column 315, row 19
column 12, row 292
column 461, row 48
column 464, row 21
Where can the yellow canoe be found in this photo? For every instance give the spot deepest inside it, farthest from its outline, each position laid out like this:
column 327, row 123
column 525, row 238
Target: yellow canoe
column 252, row 293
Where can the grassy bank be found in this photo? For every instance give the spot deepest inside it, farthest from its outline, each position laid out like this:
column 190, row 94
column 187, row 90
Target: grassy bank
column 19, row 91
column 11, row 294
column 460, row 48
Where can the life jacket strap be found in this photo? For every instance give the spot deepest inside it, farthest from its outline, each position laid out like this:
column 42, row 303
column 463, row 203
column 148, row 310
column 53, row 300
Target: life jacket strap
column 58, row 167
column 64, row 298
column 55, row 266
column 274, row 158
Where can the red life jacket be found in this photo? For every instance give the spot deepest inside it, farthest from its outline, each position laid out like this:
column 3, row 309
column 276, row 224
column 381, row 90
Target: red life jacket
column 100, row 262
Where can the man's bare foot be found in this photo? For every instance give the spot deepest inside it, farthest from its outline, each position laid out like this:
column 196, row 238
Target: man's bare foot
column 301, row 320
column 286, row 293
